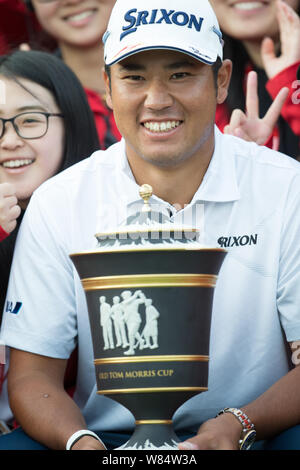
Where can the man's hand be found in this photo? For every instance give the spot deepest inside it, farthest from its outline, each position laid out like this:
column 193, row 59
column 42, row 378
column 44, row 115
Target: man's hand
column 289, row 28
column 249, row 126
column 9, row 209
column 221, row 433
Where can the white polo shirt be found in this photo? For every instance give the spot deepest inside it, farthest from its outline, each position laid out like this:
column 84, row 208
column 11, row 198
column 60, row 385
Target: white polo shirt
column 251, row 198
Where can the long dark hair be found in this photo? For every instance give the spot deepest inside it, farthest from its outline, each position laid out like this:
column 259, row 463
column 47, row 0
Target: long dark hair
column 236, row 52
column 81, row 138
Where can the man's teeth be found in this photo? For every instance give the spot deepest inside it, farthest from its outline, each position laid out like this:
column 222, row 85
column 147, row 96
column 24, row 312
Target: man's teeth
column 161, row 126
column 80, row 16
column 248, row 5
column 16, row 163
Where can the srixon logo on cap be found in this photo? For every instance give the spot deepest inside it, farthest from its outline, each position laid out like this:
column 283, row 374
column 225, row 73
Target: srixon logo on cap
column 136, row 18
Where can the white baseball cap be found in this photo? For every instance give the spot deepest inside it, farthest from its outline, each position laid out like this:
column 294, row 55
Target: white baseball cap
column 188, row 26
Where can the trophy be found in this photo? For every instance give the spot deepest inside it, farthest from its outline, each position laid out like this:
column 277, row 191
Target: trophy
column 149, row 288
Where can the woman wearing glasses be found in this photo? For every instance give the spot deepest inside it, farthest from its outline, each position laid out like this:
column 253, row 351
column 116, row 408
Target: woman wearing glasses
column 78, row 26
column 46, row 125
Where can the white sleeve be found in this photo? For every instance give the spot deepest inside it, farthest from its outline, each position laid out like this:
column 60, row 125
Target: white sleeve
column 40, row 309
column 288, row 292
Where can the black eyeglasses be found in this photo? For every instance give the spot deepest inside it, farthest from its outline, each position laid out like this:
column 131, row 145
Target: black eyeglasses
column 29, row 125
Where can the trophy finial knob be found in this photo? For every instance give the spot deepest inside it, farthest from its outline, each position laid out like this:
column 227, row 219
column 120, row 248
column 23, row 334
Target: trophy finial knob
column 145, row 193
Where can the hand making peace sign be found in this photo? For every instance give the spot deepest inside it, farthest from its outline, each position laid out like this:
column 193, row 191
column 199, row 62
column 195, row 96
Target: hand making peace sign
column 248, row 125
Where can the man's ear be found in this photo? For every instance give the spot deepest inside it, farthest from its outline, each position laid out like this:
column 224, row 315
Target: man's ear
column 107, row 90
column 223, row 81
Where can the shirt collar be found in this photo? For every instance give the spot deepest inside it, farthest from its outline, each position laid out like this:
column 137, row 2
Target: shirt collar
column 220, row 180
column 219, row 183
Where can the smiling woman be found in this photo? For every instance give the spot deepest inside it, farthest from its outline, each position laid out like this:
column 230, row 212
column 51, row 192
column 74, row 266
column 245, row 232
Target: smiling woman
column 27, row 154
column 44, row 113
column 63, row 20
column 262, row 36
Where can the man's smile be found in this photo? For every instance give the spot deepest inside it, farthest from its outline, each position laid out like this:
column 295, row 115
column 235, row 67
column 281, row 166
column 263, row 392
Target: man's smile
column 164, row 126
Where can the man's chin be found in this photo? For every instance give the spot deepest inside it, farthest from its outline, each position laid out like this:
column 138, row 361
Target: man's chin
column 164, row 161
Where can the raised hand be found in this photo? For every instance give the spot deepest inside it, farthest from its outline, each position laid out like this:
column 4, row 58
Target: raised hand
column 289, row 28
column 248, row 125
column 9, row 209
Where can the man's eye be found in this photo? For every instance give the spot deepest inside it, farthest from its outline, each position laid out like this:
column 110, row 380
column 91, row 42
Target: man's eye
column 179, row 75
column 134, row 78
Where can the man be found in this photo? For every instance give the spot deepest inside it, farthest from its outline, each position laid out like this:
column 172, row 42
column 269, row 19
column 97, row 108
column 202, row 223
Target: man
column 150, row 331
column 119, row 324
column 164, row 87
column 106, row 323
column 132, row 318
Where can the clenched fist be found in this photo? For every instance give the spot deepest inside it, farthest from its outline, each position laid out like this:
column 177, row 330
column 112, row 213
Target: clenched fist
column 9, row 209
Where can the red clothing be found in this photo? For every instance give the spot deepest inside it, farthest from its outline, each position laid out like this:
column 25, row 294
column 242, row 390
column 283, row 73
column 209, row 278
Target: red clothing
column 104, row 119
column 14, row 19
column 290, row 112
column 3, row 234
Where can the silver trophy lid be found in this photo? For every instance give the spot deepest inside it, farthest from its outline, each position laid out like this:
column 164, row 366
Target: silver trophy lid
column 149, row 228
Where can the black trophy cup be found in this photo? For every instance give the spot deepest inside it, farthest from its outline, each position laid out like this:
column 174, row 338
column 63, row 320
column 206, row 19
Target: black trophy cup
column 149, row 289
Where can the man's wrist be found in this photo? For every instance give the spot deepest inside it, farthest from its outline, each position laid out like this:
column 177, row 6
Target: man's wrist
column 88, row 443
column 232, row 426
column 78, row 435
column 247, row 429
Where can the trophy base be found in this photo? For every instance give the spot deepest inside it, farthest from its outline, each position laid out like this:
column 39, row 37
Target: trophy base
column 152, row 435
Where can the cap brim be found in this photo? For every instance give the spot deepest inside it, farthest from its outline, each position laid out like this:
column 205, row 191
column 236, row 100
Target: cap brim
column 129, row 51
